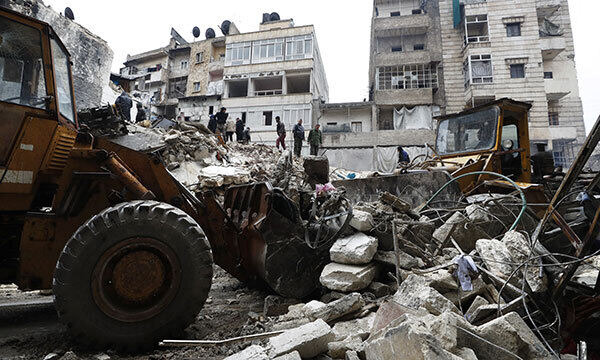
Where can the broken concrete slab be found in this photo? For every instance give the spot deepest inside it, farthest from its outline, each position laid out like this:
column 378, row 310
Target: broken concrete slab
column 465, row 354
column 477, row 303
column 388, row 312
column 511, row 333
column 496, row 257
column 379, row 290
column 338, row 349
column 352, row 355
column 406, row 261
column 465, row 233
column 336, row 309
column 359, row 327
column 309, row 340
column 253, row 352
column 342, row 277
column 441, row 280
column 362, row 221
column 356, row 249
column 520, row 250
column 415, row 293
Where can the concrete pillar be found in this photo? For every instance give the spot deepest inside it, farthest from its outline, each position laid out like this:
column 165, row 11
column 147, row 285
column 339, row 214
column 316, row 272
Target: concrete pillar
column 250, row 87
column 284, row 89
column 374, row 116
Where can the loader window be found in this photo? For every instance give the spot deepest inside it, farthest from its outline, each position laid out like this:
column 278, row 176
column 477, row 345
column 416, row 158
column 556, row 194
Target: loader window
column 62, row 75
column 21, row 72
column 468, row 133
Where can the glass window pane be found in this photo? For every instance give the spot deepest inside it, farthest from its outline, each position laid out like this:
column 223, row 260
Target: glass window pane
column 21, row 72
column 63, row 81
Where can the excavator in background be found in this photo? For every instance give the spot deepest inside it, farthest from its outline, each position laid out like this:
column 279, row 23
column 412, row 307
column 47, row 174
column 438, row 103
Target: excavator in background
column 126, row 248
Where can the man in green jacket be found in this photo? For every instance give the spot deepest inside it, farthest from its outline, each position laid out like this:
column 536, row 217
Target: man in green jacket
column 315, row 139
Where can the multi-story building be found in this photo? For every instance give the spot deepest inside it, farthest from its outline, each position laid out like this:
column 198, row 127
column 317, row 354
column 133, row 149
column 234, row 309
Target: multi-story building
column 521, row 50
column 276, row 71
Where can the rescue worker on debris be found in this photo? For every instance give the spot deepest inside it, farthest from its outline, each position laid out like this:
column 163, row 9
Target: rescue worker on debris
column 221, row 120
column 247, row 138
column 403, row 157
column 298, row 132
column 124, row 105
column 212, row 124
column 229, row 130
column 239, row 130
column 280, row 133
column 315, row 140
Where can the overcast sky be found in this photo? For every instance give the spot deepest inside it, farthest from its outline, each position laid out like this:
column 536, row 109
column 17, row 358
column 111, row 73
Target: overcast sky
column 342, row 27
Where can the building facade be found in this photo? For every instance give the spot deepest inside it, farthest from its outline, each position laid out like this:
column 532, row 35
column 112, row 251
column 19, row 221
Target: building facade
column 524, row 51
column 276, row 71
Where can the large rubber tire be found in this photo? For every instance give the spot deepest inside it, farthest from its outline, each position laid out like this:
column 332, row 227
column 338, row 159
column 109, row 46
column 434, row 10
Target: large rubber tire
column 133, row 275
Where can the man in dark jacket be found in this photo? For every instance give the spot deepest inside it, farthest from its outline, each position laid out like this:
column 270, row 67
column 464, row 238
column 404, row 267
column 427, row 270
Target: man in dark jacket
column 239, row 130
column 298, row 132
column 280, row 133
column 124, row 105
column 221, row 120
column 212, row 124
column 315, row 139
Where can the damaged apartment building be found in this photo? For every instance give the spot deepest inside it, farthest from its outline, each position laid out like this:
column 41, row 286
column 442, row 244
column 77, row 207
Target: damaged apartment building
column 432, row 57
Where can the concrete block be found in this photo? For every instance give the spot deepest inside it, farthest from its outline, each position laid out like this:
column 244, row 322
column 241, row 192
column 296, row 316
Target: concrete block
column 496, row 257
column 341, row 277
column 406, row 261
column 338, row 349
column 477, row 303
column 466, row 233
column 359, row 327
column 352, row 355
column 356, row 249
column 415, row 293
column 336, row 309
column 362, row 221
column 520, row 250
column 309, row 340
column 254, row 352
column 379, row 290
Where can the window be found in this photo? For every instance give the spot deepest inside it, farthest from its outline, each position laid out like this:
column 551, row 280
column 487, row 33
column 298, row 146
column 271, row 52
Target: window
column 238, row 54
column 564, row 152
column 244, row 117
column 299, row 47
column 197, row 86
column 268, row 118
column 199, row 57
column 184, row 64
column 177, row 87
column 356, row 126
column 396, row 48
column 553, row 119
column 21, row 66
column 265, row 86
column 470, row 132
column 419, row 47
column 478, row 70
column 395, row 13
column 517, row 71
column 62, row 72
column 211, row 110
column 513, row 29
column 548, row 75
column 331, row 124
column 267, row 50
column 417, row 11
column 406, row 77
column 147, row 77
column 476, row 29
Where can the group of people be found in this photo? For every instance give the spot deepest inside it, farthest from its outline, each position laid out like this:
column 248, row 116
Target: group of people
column 315, row 137
column 221, row 124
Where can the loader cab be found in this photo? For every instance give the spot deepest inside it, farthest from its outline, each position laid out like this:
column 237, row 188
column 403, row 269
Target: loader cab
column 35, row 78
column 493, row 137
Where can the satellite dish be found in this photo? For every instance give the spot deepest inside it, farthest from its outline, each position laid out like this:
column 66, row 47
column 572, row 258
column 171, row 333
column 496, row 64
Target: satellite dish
column 225, row 27
column 210, row 33
column 69, row 13
column 275, row 16
column 266, row 17
column 196, row 31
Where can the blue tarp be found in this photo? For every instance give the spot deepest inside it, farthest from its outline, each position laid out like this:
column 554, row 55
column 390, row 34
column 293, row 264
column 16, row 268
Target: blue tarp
column 456, row 9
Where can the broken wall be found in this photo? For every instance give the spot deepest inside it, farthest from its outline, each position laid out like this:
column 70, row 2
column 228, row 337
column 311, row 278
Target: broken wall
column 91, row 55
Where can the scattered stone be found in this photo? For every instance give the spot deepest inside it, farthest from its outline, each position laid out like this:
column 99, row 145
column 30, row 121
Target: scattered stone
column 332, row 296
column 356, row 249
column 379, row 290
column 277, row 305
column 338, row 349
column 415, row 293
column 335, row 309
column 407, row 261
column 496, row 257
column 254, row 352
column 520, row 249
column 388, row 312
column 341, row 277
column 441, row 280
column 477, row 303
column 465, row 354
column 465, row 232
column 359, row 327
column 309, row 340
column 362, row 221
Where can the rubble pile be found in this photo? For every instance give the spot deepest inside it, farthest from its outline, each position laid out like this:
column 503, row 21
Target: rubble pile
column 446, row 283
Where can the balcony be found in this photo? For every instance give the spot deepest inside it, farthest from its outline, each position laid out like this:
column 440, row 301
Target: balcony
column 410, row 97
column 217, row 65
column 556, row 89
column 157, row 76
column 546, row 8
column 403, row 58
column 552, row 46
column 402, row 25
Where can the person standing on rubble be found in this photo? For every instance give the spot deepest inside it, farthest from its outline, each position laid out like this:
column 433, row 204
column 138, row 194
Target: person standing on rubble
column 229, row 130
column 212, row 124
column 124, row 105
column 280, row 133
column 239, row 130
column 247, row 135
column 298, row 132
column 315, row 140
column 221, row 120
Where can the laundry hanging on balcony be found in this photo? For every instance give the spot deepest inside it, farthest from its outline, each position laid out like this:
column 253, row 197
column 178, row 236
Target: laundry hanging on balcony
column 419, row 117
